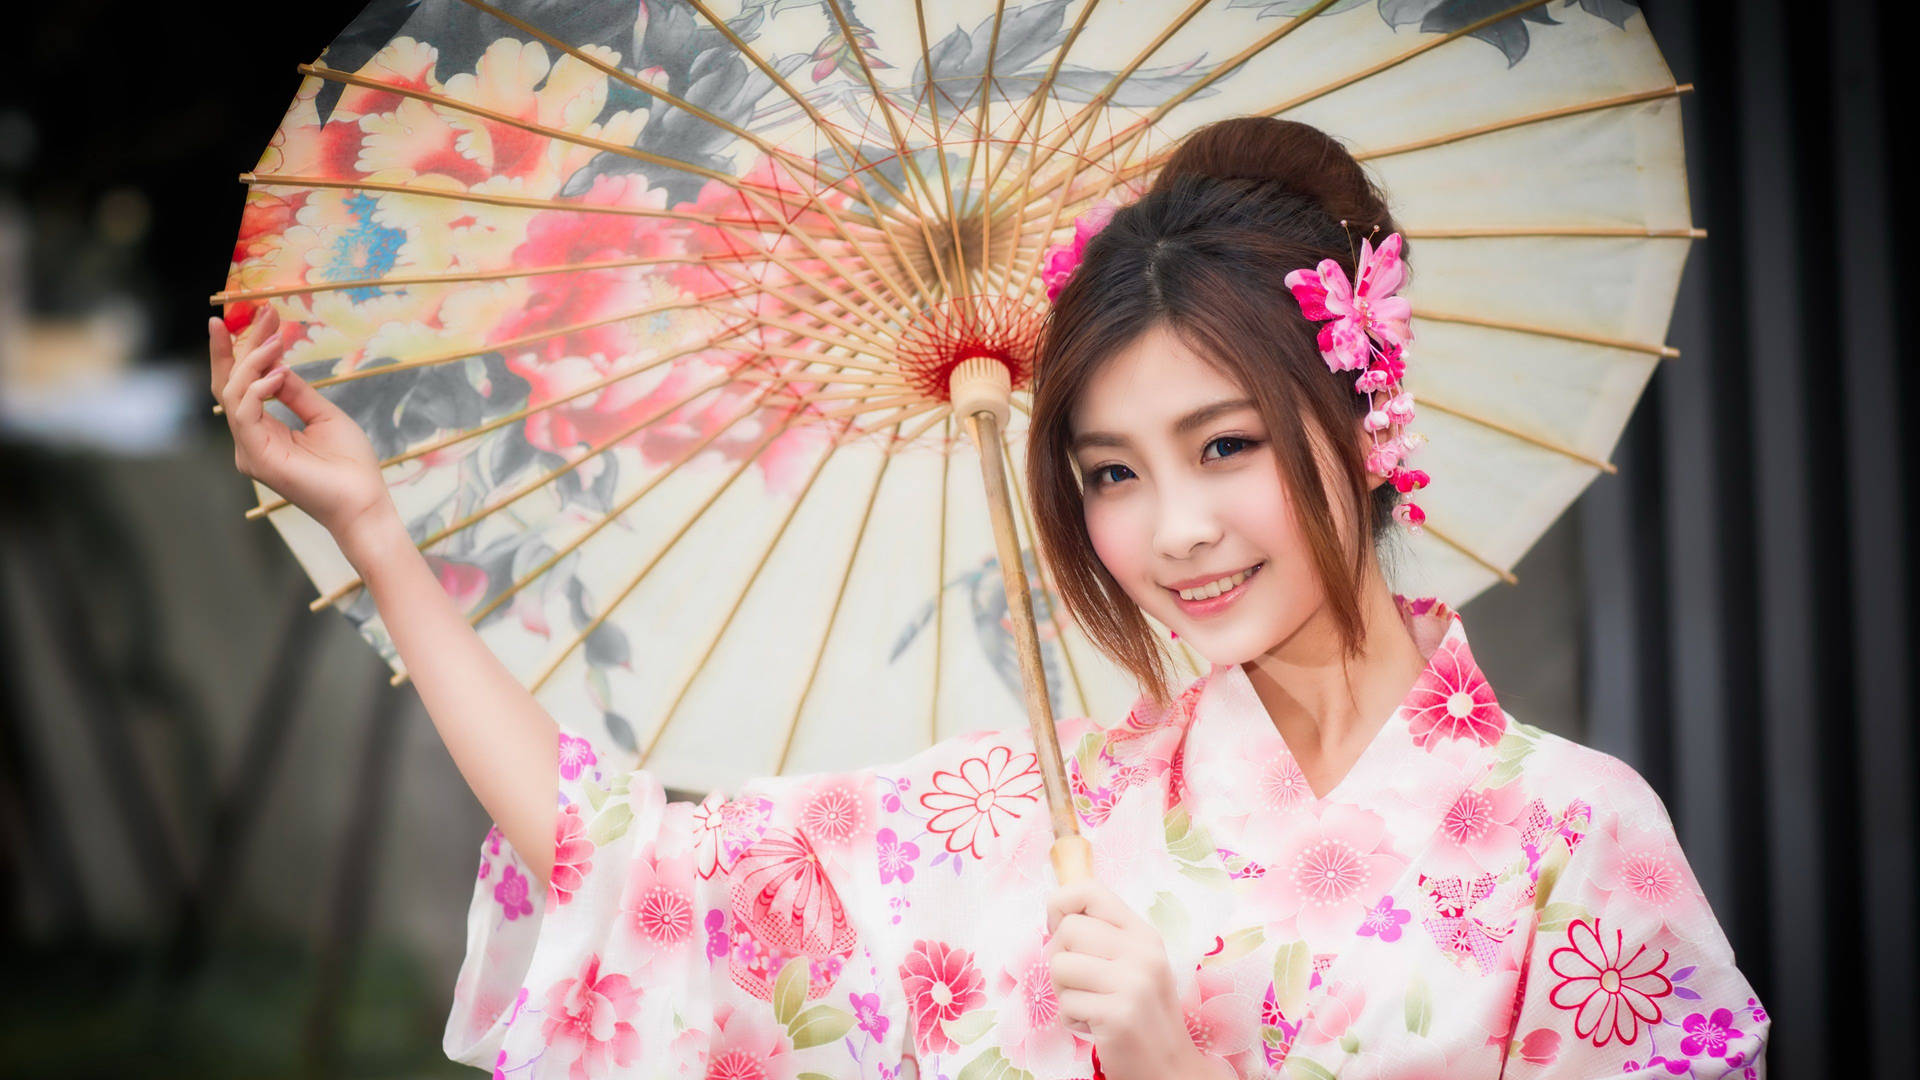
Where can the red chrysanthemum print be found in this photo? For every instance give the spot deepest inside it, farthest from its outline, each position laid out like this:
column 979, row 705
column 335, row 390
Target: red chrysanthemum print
column 986, row 793
column 941, row 983
column 572, row 856
column 1609, row 992
column 1452, row 700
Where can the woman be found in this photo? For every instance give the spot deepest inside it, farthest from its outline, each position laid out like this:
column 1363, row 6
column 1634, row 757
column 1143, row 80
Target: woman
column 1334, row 852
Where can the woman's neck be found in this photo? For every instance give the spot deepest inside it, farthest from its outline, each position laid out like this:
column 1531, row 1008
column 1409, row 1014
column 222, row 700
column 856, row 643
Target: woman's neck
column 1327, row 711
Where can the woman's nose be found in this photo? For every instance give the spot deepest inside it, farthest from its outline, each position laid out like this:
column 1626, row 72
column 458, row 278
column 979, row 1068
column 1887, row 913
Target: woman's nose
column 1186, row 524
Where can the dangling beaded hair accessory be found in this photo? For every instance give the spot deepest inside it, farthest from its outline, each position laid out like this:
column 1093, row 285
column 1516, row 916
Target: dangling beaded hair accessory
column 1366, row 330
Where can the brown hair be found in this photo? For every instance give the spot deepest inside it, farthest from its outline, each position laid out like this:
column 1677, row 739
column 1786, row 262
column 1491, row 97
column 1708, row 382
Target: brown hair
column 1241, row 202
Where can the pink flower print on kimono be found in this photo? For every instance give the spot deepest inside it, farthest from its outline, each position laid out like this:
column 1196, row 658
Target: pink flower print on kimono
column 1466, row 921
column 839, row 815
column 1622, row 960
column 513, row 893
column 589, row 1021
column 746, row 1045
column 1710, row 1035
column 1479, row 831
column 786, row 907
column 572, row 856
column 1328, row 872
column 1641, row 869
column 658, row 902
column 576, row 756
column 1385, row 921
column 1452, row 700
column 726, row 827
column 1341, row 1004
column 1221, row 1019
column 894, row 857
column 942, row 983
column 1272, row 786
column 1541, row 1046
column 1029, row 1032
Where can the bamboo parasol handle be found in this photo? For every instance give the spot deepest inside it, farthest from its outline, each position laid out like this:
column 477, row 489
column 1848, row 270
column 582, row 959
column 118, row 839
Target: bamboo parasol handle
column 1070, row 853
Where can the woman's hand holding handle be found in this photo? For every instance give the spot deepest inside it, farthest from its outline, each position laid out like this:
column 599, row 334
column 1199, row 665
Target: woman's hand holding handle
column 1113, row 982
column 500, row 737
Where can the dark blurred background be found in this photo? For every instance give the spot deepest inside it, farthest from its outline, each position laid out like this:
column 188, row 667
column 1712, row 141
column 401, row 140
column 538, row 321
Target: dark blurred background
column 227, row 848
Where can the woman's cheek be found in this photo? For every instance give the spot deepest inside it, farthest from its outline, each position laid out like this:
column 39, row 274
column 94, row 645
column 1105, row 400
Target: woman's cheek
column 1113, row 542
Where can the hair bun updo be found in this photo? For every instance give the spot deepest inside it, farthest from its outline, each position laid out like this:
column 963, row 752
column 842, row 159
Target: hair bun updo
column 1296, row 158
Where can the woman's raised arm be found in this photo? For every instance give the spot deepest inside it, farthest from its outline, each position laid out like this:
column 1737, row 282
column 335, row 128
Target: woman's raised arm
column 501, row 739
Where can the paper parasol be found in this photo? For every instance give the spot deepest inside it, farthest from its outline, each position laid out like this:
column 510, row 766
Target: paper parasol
column 651, row 308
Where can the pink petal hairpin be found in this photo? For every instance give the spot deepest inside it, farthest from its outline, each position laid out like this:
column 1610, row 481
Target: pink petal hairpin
column 1063, row 259
column 1367, row 331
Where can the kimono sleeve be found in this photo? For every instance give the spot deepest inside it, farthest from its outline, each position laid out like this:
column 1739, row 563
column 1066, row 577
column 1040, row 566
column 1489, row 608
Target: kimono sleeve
column 1628, row 974
column 674, row 938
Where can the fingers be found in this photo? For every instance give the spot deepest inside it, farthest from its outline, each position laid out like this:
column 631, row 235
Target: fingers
column 1092, row 899
column 253, row 403
column 268, row 321
column 258, row 348
column 1088, row 936
column 296, row 393
column 1076, row 1006
column 1075, row 971
column 219, row 353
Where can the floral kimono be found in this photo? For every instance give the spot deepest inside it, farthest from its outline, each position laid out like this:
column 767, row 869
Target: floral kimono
column 1476, row 897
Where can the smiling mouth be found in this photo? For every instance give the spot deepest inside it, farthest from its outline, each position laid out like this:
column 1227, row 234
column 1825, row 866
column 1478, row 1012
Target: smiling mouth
column 1220, row 587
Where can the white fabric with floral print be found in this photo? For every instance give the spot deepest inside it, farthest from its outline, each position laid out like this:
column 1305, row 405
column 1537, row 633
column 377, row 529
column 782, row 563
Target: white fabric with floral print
column 1476, row 897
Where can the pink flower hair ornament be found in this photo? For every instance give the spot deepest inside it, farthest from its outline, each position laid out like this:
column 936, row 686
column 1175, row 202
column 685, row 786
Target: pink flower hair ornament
column 1366, row 330
column 1061, row 260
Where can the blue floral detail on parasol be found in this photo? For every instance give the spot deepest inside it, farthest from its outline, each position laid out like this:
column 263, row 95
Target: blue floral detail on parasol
column 367, row 250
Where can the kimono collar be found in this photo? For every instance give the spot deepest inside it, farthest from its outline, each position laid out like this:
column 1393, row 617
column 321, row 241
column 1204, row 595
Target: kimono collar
column 1448, row 715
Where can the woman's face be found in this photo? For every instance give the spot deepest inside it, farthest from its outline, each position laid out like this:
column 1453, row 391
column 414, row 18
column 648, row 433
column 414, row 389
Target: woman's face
column 1182, row 488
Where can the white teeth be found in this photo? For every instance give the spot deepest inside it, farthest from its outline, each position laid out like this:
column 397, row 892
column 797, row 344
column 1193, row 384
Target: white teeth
column 1215, row 588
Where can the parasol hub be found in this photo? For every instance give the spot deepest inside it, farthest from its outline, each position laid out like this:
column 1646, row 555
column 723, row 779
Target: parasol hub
column 972, row 351
column 982, row 383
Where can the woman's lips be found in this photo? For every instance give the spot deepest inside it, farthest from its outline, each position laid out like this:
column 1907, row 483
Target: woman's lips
column 1200, row 609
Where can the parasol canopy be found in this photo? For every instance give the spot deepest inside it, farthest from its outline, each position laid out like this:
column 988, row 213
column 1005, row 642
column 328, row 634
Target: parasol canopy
column 651, row 311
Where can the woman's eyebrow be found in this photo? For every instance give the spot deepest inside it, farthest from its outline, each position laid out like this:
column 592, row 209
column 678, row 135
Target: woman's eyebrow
column 1194, row 419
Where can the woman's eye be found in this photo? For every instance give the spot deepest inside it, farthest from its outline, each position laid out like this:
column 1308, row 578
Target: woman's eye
column 1100, row 478
column 1243, row 443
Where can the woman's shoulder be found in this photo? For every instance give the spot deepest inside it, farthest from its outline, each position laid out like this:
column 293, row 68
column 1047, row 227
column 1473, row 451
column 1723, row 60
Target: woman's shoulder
column 1563, row 773
column 1143, row 716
